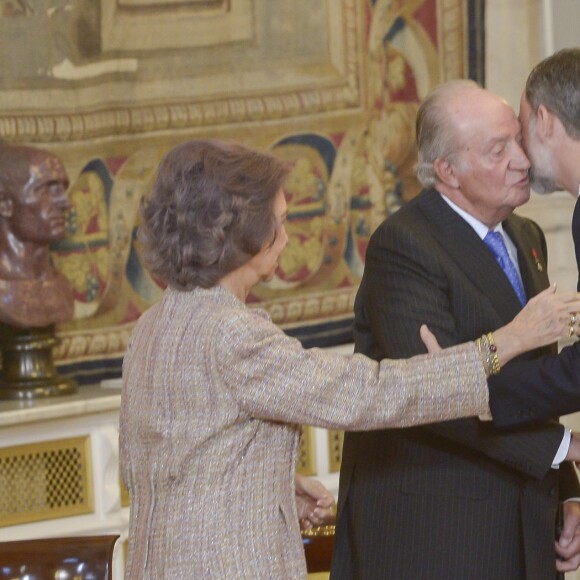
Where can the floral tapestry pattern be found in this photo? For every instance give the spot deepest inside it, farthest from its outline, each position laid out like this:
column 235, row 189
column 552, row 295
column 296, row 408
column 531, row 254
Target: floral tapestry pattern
column 335, row 94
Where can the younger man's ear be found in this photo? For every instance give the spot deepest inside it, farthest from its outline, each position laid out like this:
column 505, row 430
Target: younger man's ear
column 445, row 172
column 545, row 120
column 549, row 126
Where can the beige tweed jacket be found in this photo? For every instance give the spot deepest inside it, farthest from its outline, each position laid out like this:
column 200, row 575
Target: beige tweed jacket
column 213, row 395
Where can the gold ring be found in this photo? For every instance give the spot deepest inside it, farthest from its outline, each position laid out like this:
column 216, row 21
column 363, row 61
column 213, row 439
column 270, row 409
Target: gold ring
column 571, row 331
column 572, row 318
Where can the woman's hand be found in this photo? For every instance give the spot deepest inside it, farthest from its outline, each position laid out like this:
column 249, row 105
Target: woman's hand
column 429, row 339
column 314, row 502
column 546, row 318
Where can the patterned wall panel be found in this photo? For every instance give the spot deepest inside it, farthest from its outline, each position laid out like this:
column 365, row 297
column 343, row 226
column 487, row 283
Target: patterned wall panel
column 334, row 93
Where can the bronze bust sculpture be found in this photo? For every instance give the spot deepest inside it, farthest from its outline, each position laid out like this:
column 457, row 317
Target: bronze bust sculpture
column 33, row 204
column 34, row 295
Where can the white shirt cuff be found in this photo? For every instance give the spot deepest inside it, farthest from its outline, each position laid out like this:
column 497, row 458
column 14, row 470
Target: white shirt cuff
column 563, row 449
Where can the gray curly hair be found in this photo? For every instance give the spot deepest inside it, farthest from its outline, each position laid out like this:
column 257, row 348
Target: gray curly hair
column 209, row 212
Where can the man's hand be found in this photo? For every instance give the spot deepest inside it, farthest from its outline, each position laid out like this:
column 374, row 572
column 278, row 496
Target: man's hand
column 429, row 339
column 314, row 502
column 568, row 545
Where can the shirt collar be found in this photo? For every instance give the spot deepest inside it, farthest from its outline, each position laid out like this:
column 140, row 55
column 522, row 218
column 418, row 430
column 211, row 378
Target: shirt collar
column 480, row 228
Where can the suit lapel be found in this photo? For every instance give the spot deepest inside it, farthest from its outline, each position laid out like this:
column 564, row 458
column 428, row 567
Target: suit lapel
column 462, row 245
column 532, row 262
column 531, row 259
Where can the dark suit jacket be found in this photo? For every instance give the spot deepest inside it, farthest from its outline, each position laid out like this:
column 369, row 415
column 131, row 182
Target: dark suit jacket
column 544, row 388
column 456, row 499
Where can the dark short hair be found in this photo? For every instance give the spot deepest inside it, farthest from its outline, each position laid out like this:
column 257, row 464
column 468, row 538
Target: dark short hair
column 211, row 209
column 555, row 83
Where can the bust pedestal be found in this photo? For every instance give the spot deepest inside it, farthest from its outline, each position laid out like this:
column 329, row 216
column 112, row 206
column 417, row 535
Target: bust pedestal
column 27, row 362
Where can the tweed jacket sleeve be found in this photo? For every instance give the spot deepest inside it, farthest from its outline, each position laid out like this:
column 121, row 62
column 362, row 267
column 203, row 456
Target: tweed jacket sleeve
column 273, row 377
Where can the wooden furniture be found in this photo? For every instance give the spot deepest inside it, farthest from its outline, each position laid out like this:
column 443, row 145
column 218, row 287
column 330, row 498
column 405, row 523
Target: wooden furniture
column 318, row 545
column 72, row 557
column 59, row 469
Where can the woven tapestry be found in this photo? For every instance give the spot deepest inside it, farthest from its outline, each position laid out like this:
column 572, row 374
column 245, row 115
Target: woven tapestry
column 331, row 87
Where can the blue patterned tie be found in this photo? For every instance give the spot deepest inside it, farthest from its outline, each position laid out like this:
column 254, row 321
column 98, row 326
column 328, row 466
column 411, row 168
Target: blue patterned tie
column 494, row 241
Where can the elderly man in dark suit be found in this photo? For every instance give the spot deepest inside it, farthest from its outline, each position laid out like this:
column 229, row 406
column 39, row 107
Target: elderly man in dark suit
column 456, row 500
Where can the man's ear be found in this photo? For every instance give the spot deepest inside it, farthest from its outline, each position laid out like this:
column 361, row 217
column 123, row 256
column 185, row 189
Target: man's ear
column 545, row 120
column 445, row 172
column 550, row 127
column 6, row 205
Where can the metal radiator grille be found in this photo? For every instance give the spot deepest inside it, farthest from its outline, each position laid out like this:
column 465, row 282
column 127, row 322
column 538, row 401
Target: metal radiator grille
column 45, row 480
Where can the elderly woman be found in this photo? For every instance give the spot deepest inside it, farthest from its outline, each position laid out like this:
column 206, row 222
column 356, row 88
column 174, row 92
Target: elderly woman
column 214, row 392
